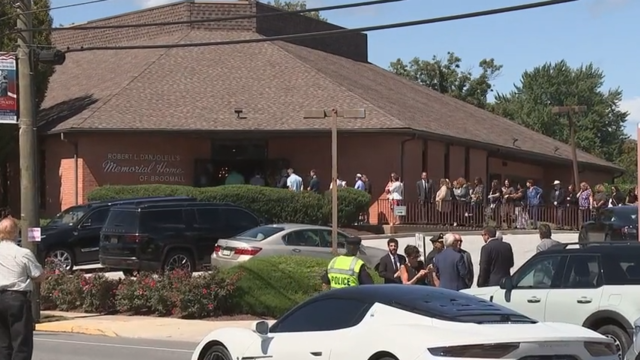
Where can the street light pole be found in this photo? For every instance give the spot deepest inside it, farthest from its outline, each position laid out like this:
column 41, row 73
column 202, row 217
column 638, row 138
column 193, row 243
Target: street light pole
column 571, row 111
column 334, row 114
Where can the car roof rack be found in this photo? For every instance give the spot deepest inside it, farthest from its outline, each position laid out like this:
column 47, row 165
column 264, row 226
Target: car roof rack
column 595, row 243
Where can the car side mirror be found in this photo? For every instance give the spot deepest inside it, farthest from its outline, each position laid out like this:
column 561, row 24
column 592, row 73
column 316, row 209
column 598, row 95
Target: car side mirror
column 261, row 327
column 506, row 283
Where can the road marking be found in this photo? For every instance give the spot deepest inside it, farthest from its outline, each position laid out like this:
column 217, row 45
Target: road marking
column 114, row 345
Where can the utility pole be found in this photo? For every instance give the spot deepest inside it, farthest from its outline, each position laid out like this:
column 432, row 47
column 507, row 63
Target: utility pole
column 27, row 138
column 571, row 111
column 334, row 114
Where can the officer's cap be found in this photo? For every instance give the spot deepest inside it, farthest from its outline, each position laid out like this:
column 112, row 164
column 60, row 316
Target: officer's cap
column 353, row 240
column 437, row 238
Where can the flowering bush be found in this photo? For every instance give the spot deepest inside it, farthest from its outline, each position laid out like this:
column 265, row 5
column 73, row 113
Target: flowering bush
column 176, row 293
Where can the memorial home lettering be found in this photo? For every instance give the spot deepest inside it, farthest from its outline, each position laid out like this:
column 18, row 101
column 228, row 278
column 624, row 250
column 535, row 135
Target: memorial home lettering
column 150, row 168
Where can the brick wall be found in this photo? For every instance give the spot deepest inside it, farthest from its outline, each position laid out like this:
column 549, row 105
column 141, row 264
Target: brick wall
column 353, row 46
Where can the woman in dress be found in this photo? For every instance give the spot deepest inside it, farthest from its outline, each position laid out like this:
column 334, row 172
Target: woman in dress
column 414, row 271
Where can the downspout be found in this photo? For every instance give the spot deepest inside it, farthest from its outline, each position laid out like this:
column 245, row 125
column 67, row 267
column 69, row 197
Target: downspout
column 402, row 144
column 75, row 167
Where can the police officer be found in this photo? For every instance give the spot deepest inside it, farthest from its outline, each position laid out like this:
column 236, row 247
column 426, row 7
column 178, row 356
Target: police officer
column 347, row 270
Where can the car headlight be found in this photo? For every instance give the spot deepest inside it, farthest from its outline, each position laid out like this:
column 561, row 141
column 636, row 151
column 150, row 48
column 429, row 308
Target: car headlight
column 636, row 335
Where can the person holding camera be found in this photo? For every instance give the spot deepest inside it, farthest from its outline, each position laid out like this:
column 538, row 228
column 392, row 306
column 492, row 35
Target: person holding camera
column 413, row 272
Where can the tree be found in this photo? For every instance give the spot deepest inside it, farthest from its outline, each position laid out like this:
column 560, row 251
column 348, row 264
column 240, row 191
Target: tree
column 41, row 19
column 599, row 131
column 446, row 76
column 296, row 5
column 629, row 161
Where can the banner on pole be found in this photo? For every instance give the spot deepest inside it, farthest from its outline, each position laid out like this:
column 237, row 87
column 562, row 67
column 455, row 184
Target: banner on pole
column 8, row 88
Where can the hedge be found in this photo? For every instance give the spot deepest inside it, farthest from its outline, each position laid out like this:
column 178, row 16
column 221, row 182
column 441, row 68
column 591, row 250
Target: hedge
column 273, row 204
column 270, row 286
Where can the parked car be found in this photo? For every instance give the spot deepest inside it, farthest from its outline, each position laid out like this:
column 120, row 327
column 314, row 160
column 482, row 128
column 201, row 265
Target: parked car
column 169, row 236
column 403, row 322
column 72, row 237
column 286, row 239
column 617, row 223
column 634, row 351
column 595, row 285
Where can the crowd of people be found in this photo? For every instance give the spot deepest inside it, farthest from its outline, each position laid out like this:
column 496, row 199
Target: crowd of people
column 503, row 205
column 449, row 266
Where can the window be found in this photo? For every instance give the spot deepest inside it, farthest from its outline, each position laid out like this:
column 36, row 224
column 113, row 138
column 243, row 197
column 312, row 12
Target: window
column 540, row 273
column 621, row 268
column 240, row 219
column 126, row 220
column 69, row 216
column 260, row 233
column 158, row 219
column 325, row 239
column 212, row 217
column 97, row 218
column 582, row 272
column 302, row 238
column 322, row 315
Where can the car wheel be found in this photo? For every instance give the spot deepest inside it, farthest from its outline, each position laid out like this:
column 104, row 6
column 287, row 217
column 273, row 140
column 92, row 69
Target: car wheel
column 62, row 259
column 217, row 352
column 620, row 338
column 179, row 260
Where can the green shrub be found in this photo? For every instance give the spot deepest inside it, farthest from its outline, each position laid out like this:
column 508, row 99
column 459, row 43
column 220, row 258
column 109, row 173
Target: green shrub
column 270, row 286
column 273, row 204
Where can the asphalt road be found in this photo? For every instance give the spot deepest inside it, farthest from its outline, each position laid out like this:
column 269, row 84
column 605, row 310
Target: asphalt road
column 58, row 346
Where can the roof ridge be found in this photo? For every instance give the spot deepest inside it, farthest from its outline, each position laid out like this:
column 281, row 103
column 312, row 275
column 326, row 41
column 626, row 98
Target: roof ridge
column 277, row 43
column 148, row 65
column 465, row 106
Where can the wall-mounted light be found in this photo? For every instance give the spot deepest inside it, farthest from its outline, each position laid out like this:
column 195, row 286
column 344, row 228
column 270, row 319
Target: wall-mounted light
column 240, row 114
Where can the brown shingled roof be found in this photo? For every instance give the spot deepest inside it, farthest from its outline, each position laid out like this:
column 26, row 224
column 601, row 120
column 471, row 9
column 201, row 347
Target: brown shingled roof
column 198, row 89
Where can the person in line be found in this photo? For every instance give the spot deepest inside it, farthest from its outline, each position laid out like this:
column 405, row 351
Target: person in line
column 314, row 183
column 545, row 238
column 437, row 243
column 449, row 266
column 413, row 272
column 19, row 269
column 468, row 261
column 294, row 182
column 390, row 264
column 347, row 270
column 496, row 258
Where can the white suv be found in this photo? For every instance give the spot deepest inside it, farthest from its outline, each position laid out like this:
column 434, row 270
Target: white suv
column 596, row 286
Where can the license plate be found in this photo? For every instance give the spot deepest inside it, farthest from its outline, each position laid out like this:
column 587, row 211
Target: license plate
column 114, row 239
column 226, row 252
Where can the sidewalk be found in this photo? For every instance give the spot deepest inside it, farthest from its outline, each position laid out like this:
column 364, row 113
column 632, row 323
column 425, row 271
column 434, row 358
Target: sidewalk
column 142, row 327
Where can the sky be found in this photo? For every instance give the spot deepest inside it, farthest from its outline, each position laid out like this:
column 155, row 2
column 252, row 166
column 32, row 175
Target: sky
column 580, row 32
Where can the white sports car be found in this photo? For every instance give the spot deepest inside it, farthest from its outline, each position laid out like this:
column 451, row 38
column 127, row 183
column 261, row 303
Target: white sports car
column 399, row 322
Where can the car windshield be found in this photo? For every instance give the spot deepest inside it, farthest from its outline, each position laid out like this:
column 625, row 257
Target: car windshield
column 69, row 216
column 260, row 233
column 623, row 215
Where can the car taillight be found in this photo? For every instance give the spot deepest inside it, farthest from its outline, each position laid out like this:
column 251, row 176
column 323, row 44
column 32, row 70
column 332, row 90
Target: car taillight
column 481, row 351
column 134, row 238
column 597, row 349
column 629, row 230
column 217, row 249
column 251, row 251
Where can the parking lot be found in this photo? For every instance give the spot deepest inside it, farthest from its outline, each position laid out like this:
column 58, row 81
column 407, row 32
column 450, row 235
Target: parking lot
column 524, row 246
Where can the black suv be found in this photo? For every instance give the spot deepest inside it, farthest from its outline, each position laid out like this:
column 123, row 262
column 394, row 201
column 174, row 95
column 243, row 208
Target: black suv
column 73, row 236
column 616, row 223
column 169, row 236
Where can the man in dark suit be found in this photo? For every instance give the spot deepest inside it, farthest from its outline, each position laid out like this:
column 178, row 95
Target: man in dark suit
column 426, row 195
column 314, row 183
column 390, row 264
column 496, row 259
column 559, row 201
column 450, row 267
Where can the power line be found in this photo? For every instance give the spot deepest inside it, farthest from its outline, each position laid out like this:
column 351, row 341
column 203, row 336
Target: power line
column 56, row 8
column 331, row 32
column 228, row 18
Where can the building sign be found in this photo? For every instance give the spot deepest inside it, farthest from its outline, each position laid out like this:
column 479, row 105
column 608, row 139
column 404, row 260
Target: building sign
column 8, row 89
column 150, row 168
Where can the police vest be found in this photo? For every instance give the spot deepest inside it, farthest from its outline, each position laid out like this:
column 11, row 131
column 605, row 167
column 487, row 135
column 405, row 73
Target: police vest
column 343, row 271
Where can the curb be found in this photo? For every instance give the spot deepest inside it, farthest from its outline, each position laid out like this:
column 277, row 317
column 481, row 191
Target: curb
column 65, row 327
